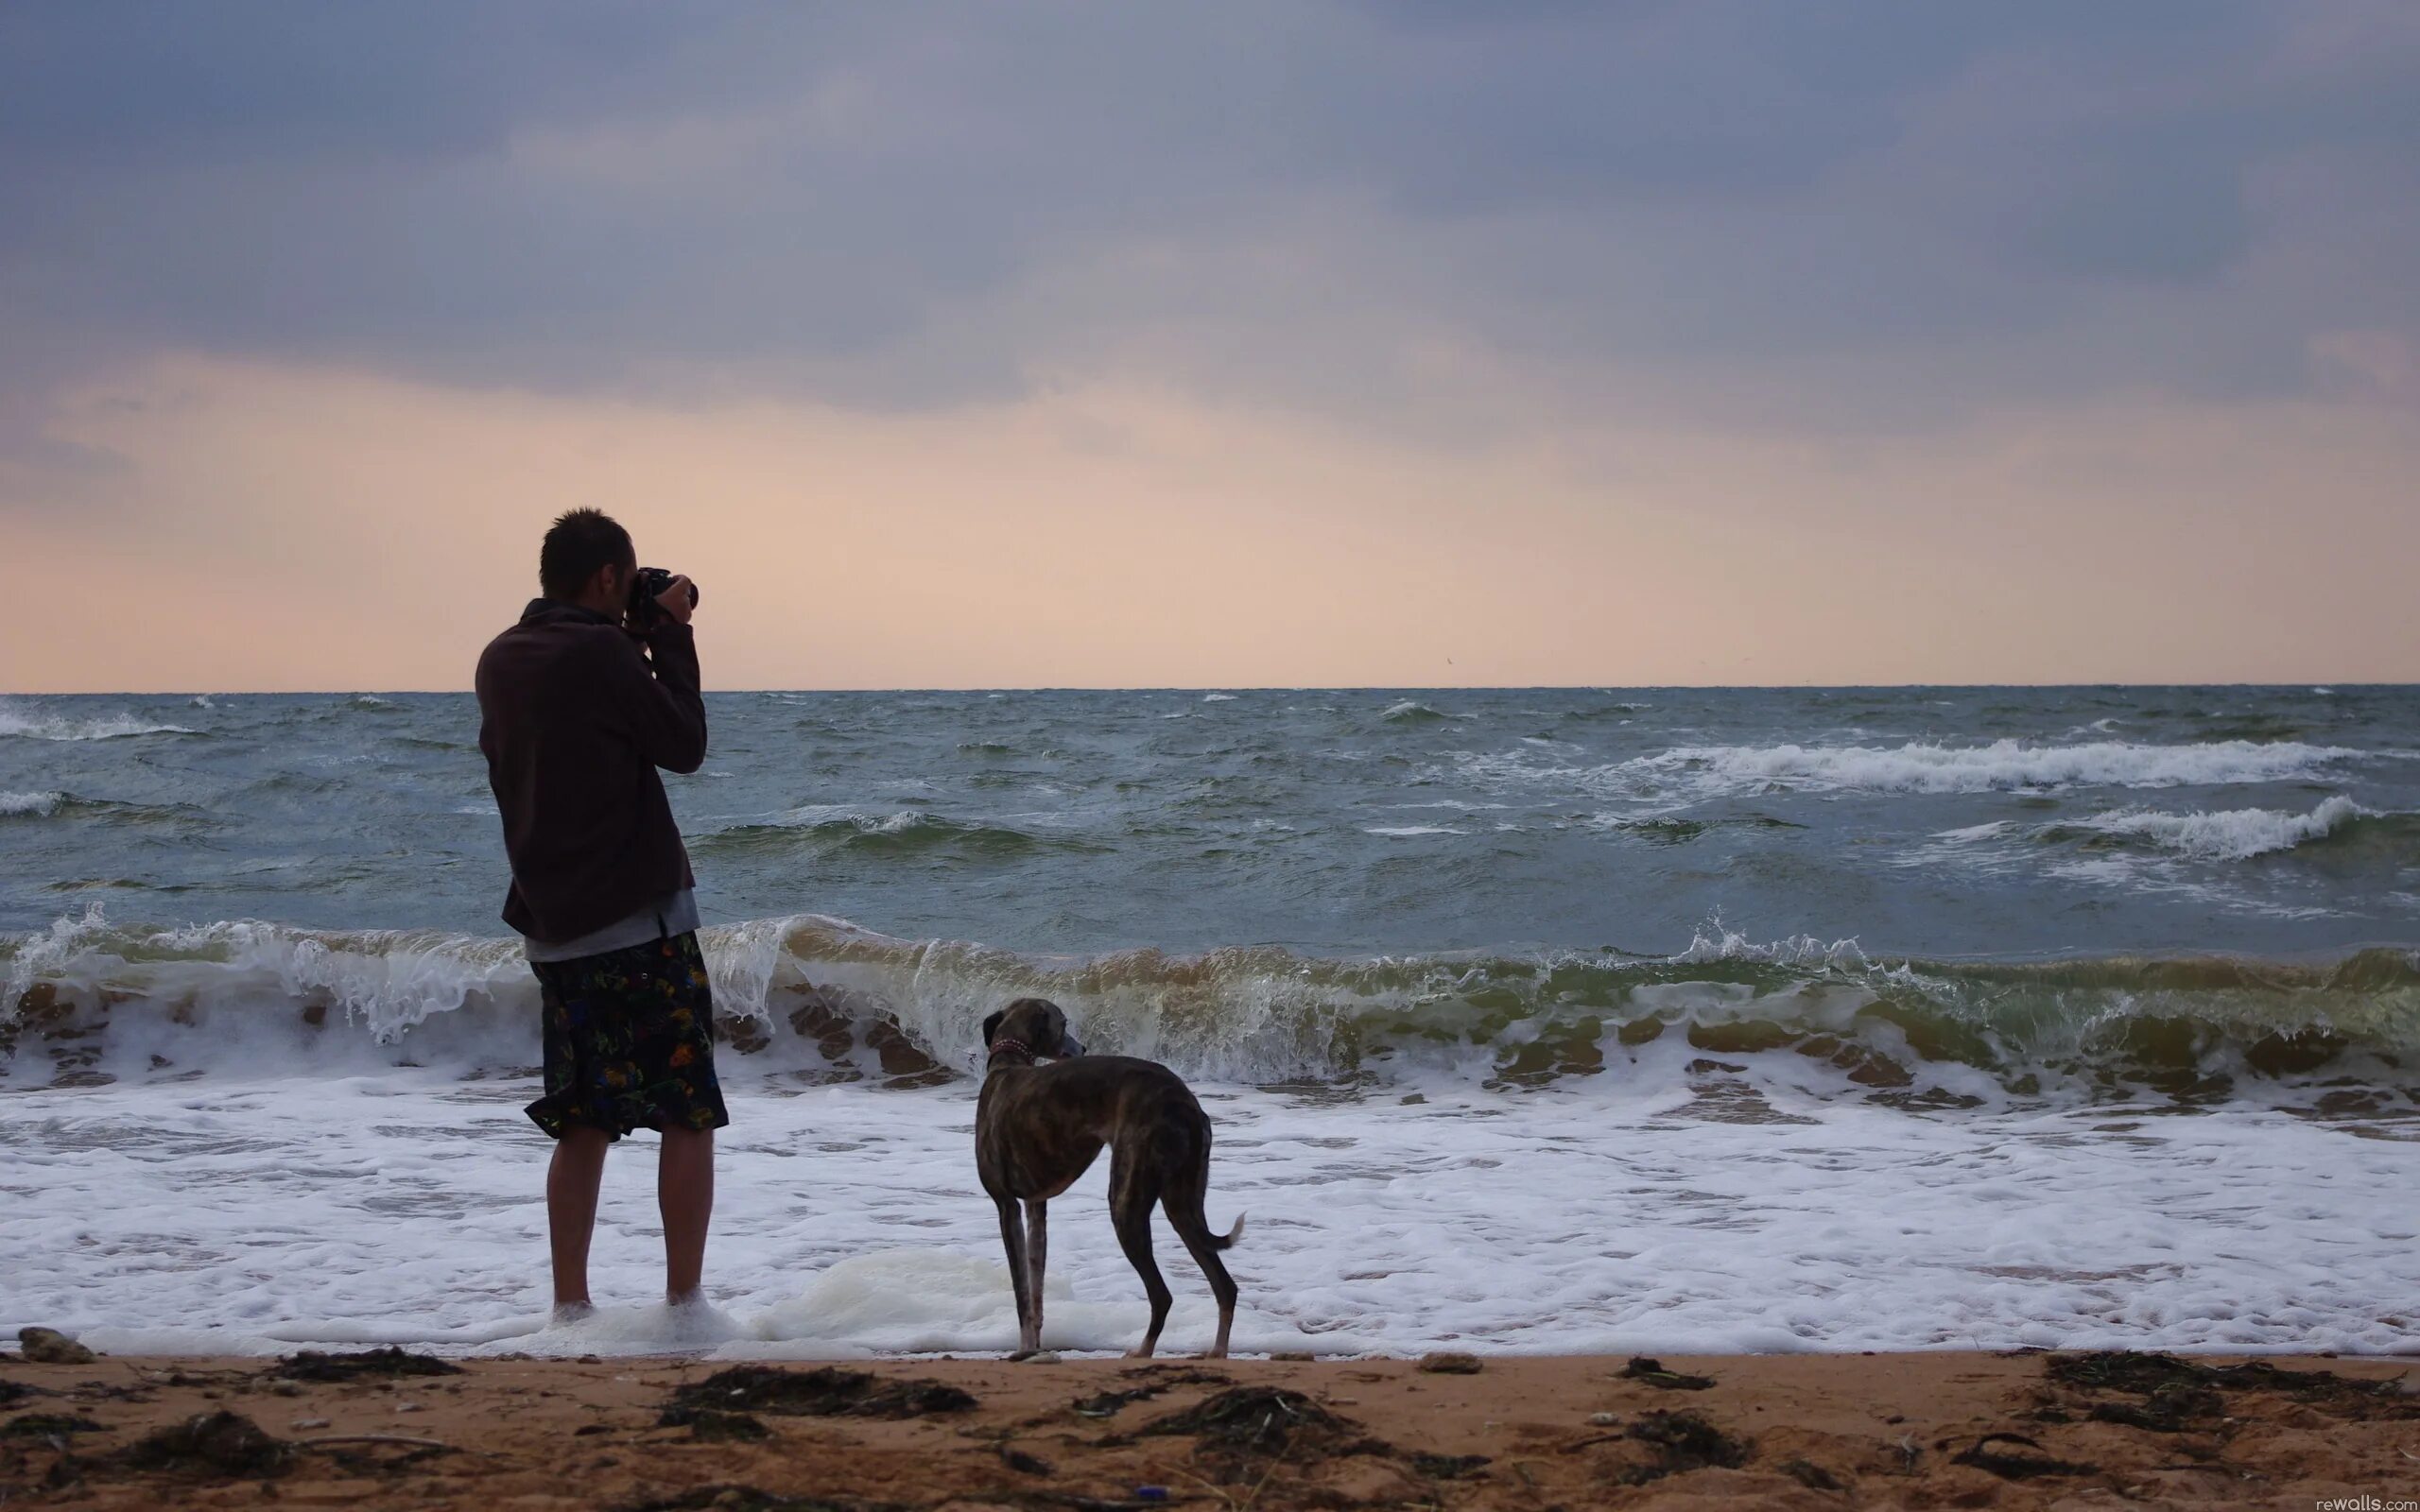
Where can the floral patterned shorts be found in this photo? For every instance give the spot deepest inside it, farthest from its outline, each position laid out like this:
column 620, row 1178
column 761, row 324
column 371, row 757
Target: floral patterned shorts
column 630, row 1041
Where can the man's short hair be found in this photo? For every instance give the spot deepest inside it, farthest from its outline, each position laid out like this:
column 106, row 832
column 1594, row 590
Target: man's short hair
column 581, row 544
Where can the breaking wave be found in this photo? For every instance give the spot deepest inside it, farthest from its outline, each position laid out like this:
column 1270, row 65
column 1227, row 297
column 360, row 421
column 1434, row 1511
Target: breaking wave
column 906, row 833
column 37, row 725
column 1695, row 772
column 2006, row 765
column 821, row 998
column 2226, row 835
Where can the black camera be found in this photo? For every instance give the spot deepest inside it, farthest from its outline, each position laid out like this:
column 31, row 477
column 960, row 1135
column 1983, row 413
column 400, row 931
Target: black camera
column 651, row 584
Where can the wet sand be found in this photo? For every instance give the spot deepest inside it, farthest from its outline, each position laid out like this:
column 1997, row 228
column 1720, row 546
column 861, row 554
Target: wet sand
column 1798, row 1430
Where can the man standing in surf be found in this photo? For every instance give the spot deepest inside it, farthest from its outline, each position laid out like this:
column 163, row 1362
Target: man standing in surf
column 579, row 704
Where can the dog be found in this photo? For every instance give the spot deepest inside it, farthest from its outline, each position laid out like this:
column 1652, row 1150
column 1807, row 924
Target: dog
column 1037, row 1129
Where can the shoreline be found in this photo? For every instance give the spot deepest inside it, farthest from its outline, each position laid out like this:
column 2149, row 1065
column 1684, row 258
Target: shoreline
column 1919, row 1429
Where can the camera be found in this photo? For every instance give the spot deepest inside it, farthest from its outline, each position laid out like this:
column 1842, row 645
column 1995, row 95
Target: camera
column 651, row 585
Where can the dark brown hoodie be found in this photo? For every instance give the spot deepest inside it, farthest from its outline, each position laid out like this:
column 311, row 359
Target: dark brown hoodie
column 575, row 721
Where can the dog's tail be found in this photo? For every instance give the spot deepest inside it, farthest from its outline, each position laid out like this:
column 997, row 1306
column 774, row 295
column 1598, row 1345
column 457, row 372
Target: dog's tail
column 1227, row 1240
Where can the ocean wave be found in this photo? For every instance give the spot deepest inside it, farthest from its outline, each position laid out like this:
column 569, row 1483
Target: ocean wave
column 38, row 725
column 823, row 999
column 2004, row 764
column 1413, row 712
column 1695, row 772
column 2230, row 834
column 60, row 804
column 1218, row 698
column 2226, row 834
column 907, row 833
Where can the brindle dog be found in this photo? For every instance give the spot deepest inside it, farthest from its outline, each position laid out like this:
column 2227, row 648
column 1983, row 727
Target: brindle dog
column 1037, row 1129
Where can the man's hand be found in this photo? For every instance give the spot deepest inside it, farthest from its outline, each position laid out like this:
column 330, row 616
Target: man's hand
column 675, row 601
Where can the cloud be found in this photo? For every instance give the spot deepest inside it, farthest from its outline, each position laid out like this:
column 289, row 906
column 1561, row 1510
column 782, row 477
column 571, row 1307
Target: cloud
column 1688, row 209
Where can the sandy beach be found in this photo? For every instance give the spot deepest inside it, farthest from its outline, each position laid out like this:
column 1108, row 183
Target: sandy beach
column 2026, row 1429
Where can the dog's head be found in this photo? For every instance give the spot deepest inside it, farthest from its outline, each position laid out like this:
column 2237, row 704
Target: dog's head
column 1036, row 1024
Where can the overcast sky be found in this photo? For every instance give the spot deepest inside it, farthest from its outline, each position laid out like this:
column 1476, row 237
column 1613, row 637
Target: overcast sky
column 1206, row 344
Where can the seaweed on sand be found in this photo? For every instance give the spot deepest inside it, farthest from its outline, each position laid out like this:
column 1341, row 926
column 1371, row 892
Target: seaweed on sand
column 829, row 1392
column 216, row 1443
column 368, row 1364
column 1681, row 1441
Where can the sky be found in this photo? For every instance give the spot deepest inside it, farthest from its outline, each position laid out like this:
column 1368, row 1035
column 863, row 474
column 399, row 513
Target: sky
column 1402, row 344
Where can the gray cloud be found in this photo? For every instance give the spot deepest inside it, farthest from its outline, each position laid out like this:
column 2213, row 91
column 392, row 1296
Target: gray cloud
column 1938, row 206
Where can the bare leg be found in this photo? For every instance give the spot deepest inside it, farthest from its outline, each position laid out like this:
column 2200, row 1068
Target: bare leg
column 684, row 1193
column 1012, row 1239
column 1037, row 1251
column 572, row 1180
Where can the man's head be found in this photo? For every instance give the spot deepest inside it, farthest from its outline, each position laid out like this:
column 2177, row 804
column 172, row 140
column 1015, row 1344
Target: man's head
column 587, row 559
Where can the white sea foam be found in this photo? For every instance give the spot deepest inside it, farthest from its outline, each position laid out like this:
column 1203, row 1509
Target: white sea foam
column 1218, row 698
column 2230, row 834
column 31, row 805
column 1411, row 711
column 1693, row 773
column 2226, row 835
column 402, row 1208
column 1406, row 830
column 1918, row 767
column 36, row 723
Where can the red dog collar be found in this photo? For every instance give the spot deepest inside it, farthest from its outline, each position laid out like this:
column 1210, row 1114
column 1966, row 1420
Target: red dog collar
column 1003, row 1045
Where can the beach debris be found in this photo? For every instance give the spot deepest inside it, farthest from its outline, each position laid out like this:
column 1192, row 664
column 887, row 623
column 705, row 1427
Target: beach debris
column 1242, row 1436
column 729, row 1498
column 304, row 1425
column 829, row 1392
column 2179, row 1395
column 1262, row 1420
column 1151, row 1493
column 1450, row 1362
column 1679, row 1442
column 368, row 1364
column 1603, row 1419
column 1110, row 1403
column 2017, row 1467
column 1653, row 1373
column 709, row 1425
column 1811, row 1475
column 1025, row 1463
column 13, row 1392
column 221, row 1443
column 48, row 1425
column 49, row 1347
column 1293, row 1357
column 1449, row 1467
column 285, row 1388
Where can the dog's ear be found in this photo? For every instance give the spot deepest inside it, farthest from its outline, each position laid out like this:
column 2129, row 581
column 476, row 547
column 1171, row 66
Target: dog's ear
column 990, row 1027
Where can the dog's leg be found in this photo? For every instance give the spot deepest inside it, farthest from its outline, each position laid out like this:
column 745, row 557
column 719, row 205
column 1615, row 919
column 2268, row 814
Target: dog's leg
column 1037, row 1256
column 1012, row 1239
column 1134, row 1189
column 1183, row 1202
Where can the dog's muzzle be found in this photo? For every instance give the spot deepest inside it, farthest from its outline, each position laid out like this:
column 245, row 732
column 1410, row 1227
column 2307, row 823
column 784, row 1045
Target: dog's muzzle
column 1069, row 1046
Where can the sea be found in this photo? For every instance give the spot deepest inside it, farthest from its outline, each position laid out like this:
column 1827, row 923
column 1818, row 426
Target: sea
column 1529, row 1020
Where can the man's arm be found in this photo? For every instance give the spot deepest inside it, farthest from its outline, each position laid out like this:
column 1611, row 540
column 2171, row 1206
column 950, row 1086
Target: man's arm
column 661, row 708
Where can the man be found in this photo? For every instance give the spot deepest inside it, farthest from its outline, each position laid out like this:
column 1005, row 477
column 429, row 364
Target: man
column 579, row 704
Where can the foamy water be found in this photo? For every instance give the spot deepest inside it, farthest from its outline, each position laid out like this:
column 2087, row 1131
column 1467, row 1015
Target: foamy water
column 1530, row 1019
column 404, row 1209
